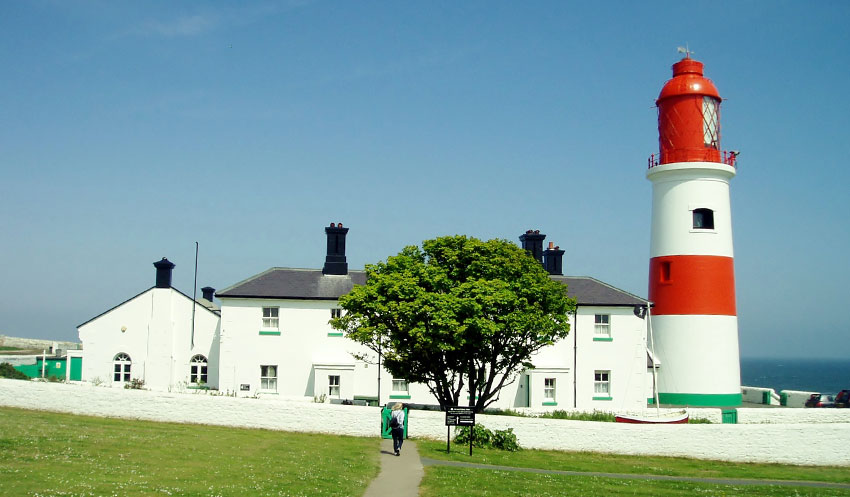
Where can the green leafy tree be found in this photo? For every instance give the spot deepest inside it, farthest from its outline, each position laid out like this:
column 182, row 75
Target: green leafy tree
column 456, row 309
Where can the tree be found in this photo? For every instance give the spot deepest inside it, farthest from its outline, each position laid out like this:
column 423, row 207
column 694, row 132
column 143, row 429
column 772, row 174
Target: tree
column 457, row 309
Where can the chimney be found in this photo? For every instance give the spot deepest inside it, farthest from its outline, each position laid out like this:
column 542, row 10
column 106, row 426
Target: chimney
column 532, row 241
column 335, row 260
column 163, row 273
column 208, row 292
column 553, row 260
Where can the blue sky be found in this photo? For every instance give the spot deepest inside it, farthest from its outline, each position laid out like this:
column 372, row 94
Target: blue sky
column 131, row 130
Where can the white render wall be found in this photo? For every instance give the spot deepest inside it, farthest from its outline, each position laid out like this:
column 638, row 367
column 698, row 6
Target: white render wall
column 306, row 351
column 679, row 188
column 778, row 435
column 154, row 329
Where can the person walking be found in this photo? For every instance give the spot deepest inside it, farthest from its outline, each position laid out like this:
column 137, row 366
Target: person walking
column 397, row 426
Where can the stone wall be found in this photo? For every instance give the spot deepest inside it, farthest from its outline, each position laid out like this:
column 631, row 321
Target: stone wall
column 36, row 343
column 777, row 435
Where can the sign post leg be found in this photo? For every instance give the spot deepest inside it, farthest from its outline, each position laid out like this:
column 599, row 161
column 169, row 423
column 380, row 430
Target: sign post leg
column 448, row 440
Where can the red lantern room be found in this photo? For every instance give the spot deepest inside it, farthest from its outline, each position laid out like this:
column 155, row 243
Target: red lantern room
column 689, row 116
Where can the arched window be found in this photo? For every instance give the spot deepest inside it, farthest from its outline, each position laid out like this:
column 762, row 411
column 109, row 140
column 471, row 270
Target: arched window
column 198, row 370
column 121, row 367
column 703, row 219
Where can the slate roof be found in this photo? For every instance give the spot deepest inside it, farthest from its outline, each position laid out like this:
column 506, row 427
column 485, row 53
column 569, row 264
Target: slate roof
column 311, row 284
column 288, row 283
column 590, row 291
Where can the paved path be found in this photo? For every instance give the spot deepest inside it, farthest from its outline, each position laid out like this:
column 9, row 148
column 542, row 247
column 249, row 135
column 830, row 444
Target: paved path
column 716, row 481
column 399, row 476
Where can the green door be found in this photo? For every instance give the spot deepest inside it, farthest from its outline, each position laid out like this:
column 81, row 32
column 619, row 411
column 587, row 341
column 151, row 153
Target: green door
column 76, row 369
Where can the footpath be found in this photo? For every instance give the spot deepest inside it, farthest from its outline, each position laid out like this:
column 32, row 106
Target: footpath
column 400, row 475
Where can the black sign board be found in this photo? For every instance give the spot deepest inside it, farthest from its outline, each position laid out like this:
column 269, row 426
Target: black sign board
column 460, row 416
column 244, row 386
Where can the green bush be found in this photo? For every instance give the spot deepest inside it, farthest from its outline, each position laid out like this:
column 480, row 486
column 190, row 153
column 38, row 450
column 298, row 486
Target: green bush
column 580, row 416
column 505, row 440
column 484, row 438
column 135, row 384
column 9, row 371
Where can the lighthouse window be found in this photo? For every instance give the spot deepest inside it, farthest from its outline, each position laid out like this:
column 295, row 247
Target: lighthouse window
column 665, row 272
column 711, row 122
column 703, row 219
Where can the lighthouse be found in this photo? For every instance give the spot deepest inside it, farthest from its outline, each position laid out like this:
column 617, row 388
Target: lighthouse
column 691, row 268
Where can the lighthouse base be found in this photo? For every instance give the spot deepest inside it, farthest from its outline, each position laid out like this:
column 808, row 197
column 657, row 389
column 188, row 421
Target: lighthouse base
column 701, row 399
column 700, row 365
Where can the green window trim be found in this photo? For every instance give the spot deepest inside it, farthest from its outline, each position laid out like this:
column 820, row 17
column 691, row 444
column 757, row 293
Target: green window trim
column 334, row 334
column 603, row 398
column 399, row 396
column 550, row 403
column 270, row 333
column 603, row 339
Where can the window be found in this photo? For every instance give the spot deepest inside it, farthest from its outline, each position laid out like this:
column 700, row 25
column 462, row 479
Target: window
column 602, row 384
column 268, row 378
column 400, row 387
column 333, row 386
column 711, row 121
column 703, row 219
column 270, row 320
column 336, row 313
column 549, row 389
column 121, row 371
column 665, row 272
column 198, row 370
column 602, row 328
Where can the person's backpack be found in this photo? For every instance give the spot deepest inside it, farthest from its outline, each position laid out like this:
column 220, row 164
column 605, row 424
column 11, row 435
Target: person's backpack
column 393, row 421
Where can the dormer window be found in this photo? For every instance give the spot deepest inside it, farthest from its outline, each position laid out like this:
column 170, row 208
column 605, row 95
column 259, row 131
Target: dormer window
column 703, row 219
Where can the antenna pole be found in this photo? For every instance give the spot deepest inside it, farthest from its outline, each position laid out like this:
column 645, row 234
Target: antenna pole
column 194, row 297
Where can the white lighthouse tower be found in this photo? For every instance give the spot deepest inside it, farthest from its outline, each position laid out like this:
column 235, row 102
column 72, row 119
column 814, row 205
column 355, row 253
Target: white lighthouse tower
column 691, row 270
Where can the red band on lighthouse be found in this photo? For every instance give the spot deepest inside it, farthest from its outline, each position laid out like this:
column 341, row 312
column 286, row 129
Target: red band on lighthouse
column 692, row 284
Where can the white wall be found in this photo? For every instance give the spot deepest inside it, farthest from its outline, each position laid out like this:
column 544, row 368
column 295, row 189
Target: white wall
column 624, row 356
column 305, row 350
column 778, row 435
column 154, row 329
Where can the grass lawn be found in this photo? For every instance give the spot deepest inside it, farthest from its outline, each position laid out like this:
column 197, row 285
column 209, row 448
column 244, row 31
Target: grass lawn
column 45, row 454
column 463, row 482
column 459, row 482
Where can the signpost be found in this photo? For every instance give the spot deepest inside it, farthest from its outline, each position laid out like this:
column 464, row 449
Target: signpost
column 459, row 416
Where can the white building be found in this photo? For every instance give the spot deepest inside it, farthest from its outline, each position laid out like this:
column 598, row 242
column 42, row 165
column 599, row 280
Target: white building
column 152, row 337
column 275, row 339
column 272, row 337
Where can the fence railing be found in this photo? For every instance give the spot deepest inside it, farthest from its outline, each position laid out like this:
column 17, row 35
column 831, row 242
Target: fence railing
column 730, row 158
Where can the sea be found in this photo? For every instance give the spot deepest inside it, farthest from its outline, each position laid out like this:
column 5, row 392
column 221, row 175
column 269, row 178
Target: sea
column 809, row 375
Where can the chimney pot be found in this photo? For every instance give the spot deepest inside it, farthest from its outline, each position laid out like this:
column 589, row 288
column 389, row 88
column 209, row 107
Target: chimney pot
column 532, row 241
column 163, row 273
column 208, row 292
column 335, row 262
column 553, row 260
